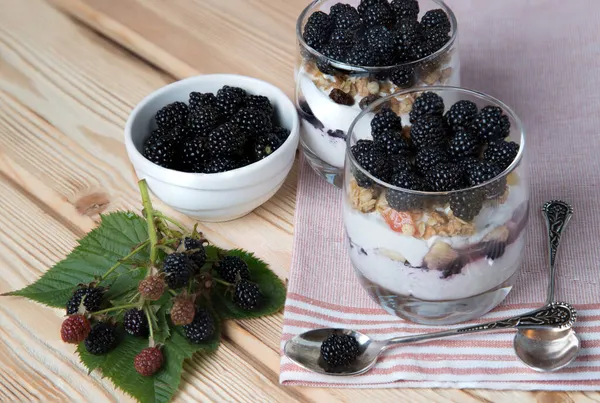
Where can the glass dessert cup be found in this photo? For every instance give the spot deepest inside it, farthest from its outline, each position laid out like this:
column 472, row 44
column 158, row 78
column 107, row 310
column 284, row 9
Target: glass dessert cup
column 424, row 264
column 324, row 122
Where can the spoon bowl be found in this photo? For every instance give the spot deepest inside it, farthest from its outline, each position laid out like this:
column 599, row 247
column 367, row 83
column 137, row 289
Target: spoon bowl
column 547, row 350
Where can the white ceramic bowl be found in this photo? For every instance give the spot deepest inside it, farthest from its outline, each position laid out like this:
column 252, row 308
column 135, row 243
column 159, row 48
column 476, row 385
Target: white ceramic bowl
column 221, row 196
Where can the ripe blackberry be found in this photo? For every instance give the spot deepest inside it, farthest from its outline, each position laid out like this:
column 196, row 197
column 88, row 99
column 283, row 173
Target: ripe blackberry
column 378, row 14
column 180, row 133
column 501, row 153
column 403, row 77
column 247, row 295
column 428, row 103
column 198, row 256
column 75, row 329
column 281, row 133
column 199, row 100
column 484, row 171
column 405, row 9
column 384, row 120
column 466, row 204
column 436, row 39
column 404, row 201
column 136, row 323
column 461, row 114
column 339, row 350
column 399, row 164
column 406, row 34
column 463, row 144
column 364, row 4
column 444, row 177
column 148, row 361
column 161, row 151
column 265, row 145
column 342, row 39
column 419, row 48
column 172, row 115
column 382, row 44
column 344, row 16
column 370, row 159
column 230, row 267
column 490, row 124
column 91, row 296
column 427, row 131
column 220, row 163
column 468, row 162
column 391, row 142
column 152, row 288
column 202, row 327
column 230, row 100
column 317, row 30
column 226, row 139
column 361, row 55
column 259, row 102
column 178, row 270
column 183, row 310
column 101, row 340
column 202, row 120
column 193, row 154
column 436, row 20
column 428, row 157
column 252, row 121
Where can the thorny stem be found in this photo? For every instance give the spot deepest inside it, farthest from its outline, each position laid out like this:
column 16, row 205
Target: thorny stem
column 150, row 327
column 116, row 308
column 218, row 280
column 121, row 261
column 150, row 220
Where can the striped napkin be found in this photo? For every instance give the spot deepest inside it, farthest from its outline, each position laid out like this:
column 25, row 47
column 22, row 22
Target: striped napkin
column 540, row 57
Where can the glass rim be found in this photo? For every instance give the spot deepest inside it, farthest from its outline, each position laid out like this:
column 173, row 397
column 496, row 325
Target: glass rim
column 441, row 88
column 349, row 68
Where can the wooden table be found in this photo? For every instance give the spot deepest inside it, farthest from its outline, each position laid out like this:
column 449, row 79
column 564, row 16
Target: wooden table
column 65, row 92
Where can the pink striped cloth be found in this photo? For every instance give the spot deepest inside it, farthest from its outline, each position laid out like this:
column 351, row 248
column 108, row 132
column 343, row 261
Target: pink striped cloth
column 542, row 58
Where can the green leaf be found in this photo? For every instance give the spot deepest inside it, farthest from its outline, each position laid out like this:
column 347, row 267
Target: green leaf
column 270, row 286
column 117, row 365
column 116, row 236
column 162, row 331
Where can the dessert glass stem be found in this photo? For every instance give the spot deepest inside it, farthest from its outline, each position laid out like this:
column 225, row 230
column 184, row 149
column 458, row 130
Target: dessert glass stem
column 556, row 315
column 557, row 214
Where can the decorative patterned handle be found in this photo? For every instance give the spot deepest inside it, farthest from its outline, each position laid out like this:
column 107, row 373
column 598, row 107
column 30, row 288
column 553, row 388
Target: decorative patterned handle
column 557, row 214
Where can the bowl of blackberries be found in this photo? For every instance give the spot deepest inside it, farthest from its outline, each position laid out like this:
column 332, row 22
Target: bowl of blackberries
column 213, row 147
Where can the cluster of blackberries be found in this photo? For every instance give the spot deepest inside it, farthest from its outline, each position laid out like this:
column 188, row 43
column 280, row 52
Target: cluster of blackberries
column 234, row 270
column 376, row 33
column 214, row 133
column 460, row 149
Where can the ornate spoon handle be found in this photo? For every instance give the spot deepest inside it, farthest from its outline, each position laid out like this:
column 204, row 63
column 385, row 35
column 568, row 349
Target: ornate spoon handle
column 557, row 214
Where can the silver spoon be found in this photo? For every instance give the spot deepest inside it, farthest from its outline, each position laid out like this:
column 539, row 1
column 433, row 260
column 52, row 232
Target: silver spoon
column 544, row 349
column 305, row 349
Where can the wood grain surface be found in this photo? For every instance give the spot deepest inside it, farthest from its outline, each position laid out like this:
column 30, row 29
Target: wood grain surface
column 65, row 93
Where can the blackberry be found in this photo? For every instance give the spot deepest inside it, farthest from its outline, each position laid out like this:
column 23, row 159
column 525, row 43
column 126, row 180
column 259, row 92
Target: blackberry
column 247, row 295
column 260, row 103
column 230, row 100
column 364, row 4
column 265, row 145
column 466, row 204
column 444, row 177
column 178, row 270
column 428, row 103
column 152, row 288
column 399, row 164
column 281, row 133
column 344, row 16
column 194, row 153
column 385, row 120
column 403, row 77
column 343, row 39
column 225, row 140
column 436, row 39
column 382, row 44
column 317, row 30
column 148, row 361
column 436, row 20
column 230, row 267
column 502, row 153
column 246, row 160
column 490, row 124
column 378, row 14
column 484, row 171
column 404, row 201
column 136, row 323
column 75, row 329
column 461, row 114
column 419, row 49
column 468, row 162
column 361, row 55
column 370, row 159
column 391, row 142
column 427, row 131
column 92, row 301
column 101, row 339
column 202, row 120
column 183, row 310
column 172, row 115
column 180, row 133
column 202, row 327
column 199, row 100
column 406, row 34
column 220, row 163
column 463, row 144
column 428, row 157
column 161, row 151
column 198, row 256
column 339, row 350
column 252, row 121
column 405, row 9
